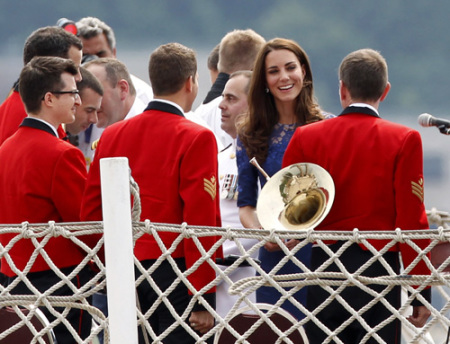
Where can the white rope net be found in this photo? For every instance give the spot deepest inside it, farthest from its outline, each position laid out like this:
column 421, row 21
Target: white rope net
column 287, row 285
column 25, row 307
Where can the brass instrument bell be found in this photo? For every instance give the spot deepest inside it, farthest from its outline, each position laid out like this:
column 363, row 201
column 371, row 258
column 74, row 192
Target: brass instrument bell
column 297, row 197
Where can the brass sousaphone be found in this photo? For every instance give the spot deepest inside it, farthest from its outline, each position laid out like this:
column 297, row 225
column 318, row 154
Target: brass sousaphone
column 297, row 197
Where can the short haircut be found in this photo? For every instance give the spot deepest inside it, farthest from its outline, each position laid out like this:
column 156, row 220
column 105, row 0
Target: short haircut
column 169, row 68
column 238, row 50
column 41, row 75
column 245, row 73
column 364, row 73
column 115, row 71
column 50, row 41
column 89, row 81
column 89, row 27
column 213, row 58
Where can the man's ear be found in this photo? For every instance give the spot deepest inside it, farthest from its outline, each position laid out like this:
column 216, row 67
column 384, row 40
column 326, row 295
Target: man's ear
column 189, row 84
column 386, row 91
column 124, row 88
column 48, row 99
column 343, row 91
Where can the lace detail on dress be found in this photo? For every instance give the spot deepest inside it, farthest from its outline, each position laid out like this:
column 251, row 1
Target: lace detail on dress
column 282, row 132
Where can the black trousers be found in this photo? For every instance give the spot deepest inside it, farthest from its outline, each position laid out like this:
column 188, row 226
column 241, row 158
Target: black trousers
column 334, row 314
column 80, row 320
column 179, row 298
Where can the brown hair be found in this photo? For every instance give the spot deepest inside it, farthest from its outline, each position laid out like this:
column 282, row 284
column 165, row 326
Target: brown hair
column 50, row 41
column 170, row 66
column 365, row 74
column 213, row 58
column 89, row 81
column 41, row 75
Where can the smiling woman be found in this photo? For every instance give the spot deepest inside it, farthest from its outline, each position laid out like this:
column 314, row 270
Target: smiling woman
column 281, row 98
column 284, row 77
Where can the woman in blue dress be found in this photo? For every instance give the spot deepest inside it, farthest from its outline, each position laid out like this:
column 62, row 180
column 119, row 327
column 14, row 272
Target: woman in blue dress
column 281, row 98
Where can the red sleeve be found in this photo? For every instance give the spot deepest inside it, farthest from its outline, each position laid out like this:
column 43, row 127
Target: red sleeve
column 409, row 196
column 199, row 190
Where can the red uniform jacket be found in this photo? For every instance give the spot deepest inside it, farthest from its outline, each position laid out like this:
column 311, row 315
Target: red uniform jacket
column 12, row 113
column 42, row 179
column 377, row 169
column 174, row 162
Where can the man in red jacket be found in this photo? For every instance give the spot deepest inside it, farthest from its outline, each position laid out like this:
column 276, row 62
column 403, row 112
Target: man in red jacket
column 42, row 179
column 376, row 166
column 174, row 162
column 46, row 41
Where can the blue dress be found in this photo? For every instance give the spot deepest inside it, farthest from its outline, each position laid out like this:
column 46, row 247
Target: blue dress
column 248, row 195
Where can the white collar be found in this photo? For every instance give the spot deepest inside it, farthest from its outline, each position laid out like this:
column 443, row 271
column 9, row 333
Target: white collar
column 365, row 105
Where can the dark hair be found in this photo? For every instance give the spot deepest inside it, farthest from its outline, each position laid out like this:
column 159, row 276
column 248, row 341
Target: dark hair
column 50, row 41
column 41, row 75
column 170, row 66
column 365, row 74
column 89, row 81
column 115, row 71
column 213, row 58
column 255, row 129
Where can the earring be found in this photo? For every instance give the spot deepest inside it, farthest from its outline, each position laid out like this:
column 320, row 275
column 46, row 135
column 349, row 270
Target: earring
column 267, row 90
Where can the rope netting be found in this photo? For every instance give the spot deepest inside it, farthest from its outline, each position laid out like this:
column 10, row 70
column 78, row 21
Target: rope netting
column 286, row 285
column 25, row 308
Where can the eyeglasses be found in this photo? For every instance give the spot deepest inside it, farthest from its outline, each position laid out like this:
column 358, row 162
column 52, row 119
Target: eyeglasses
column 74, row 93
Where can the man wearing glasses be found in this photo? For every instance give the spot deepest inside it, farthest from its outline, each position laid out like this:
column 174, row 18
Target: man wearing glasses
column 42, row 179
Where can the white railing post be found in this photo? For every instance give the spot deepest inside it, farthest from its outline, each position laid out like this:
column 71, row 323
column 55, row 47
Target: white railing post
column 120, row 279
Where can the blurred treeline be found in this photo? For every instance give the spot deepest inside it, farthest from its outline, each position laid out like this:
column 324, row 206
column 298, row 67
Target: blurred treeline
column 413, row 35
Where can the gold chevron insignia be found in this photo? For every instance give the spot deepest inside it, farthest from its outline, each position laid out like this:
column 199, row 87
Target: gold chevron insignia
column 417, row 189
column 210, row 186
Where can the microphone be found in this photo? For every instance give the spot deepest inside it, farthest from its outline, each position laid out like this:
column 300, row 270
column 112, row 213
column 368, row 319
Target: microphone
column 426, row 120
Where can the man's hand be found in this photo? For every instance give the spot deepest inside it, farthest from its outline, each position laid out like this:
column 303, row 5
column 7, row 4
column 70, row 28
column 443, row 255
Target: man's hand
column 420, row 316
column 201, row 321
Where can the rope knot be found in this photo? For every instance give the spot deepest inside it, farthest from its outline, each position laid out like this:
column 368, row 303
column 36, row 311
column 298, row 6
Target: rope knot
column 272, row 235
column 398, row 233
column 54, row 230
column 356, row 236
column 228, row 233
column 25, row 231
column 442, row 234
column 187, row 232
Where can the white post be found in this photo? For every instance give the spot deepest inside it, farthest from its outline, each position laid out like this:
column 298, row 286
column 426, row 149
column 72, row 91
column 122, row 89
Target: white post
column 120, row 279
